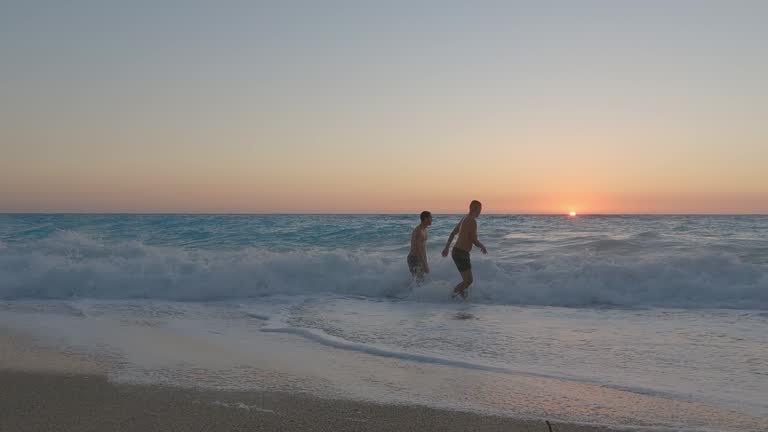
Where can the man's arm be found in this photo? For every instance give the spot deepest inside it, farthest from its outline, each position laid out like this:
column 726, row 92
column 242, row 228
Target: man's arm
column 424, row 251
column 476, row 241
column 450, row 239
column 480, row 245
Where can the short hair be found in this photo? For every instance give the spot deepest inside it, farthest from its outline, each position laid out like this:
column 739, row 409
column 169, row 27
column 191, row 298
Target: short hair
column 424, row 215
column 475, row 204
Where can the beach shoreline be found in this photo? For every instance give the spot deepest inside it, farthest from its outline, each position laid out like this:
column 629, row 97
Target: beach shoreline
column 36, row 401
column 121, row 373
column 43, row 388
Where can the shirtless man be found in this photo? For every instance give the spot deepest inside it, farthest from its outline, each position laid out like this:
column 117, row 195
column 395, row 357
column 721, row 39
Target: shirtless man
column 417, row 257
column 467, row 231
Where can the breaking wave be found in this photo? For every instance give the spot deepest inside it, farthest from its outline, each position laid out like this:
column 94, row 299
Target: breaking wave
column 70, row 265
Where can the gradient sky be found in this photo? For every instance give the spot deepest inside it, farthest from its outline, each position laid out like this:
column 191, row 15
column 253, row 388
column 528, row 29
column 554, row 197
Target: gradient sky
column 372, row 106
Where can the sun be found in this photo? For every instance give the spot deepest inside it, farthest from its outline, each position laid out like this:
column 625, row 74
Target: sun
column 572, row 213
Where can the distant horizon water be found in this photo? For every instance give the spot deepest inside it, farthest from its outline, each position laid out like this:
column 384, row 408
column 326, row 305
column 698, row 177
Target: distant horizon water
column 414, row 213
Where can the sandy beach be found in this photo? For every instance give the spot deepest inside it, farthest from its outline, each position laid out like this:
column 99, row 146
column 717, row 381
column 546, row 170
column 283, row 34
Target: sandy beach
column 39, row 401
column 75, row 373
column 44, row 389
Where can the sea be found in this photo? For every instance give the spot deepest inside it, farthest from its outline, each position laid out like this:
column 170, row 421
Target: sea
column 643, row 322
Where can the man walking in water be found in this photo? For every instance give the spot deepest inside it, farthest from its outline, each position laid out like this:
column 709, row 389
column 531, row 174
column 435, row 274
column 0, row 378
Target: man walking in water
column 417, row 257
column 467, row 231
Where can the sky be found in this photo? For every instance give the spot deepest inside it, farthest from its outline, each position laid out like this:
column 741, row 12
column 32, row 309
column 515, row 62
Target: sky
column 384, row 107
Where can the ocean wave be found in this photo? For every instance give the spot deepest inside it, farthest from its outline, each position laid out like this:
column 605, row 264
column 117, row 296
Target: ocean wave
column 323, row 338
column 73, row 265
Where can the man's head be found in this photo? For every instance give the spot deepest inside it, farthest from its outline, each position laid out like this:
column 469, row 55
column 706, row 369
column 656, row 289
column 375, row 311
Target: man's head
column 426, row 218
column 475, row 207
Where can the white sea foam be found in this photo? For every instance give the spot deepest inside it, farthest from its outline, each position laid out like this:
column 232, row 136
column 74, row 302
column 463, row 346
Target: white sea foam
column 73, row 265
column 324, row 338
column 243, row 406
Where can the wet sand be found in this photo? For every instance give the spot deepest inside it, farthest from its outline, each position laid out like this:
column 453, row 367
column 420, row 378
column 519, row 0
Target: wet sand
column 44, row 401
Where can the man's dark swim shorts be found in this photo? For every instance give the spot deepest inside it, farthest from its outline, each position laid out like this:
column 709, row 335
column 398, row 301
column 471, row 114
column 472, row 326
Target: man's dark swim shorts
column 461, row 258
column 415, row 264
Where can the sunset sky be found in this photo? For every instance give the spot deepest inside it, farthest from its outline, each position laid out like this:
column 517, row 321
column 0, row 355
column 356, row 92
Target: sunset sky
column 371, row 106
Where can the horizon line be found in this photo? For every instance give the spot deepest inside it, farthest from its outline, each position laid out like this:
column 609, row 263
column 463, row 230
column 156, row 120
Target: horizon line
column 367, row 214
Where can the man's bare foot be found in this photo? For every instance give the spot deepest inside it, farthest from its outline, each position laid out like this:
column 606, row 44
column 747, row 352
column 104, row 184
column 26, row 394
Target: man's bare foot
column 462, row 293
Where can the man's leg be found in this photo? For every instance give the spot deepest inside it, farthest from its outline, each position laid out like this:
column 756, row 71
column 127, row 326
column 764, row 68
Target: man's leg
column 414, row 266
column 418, row 272
column 466, row 281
